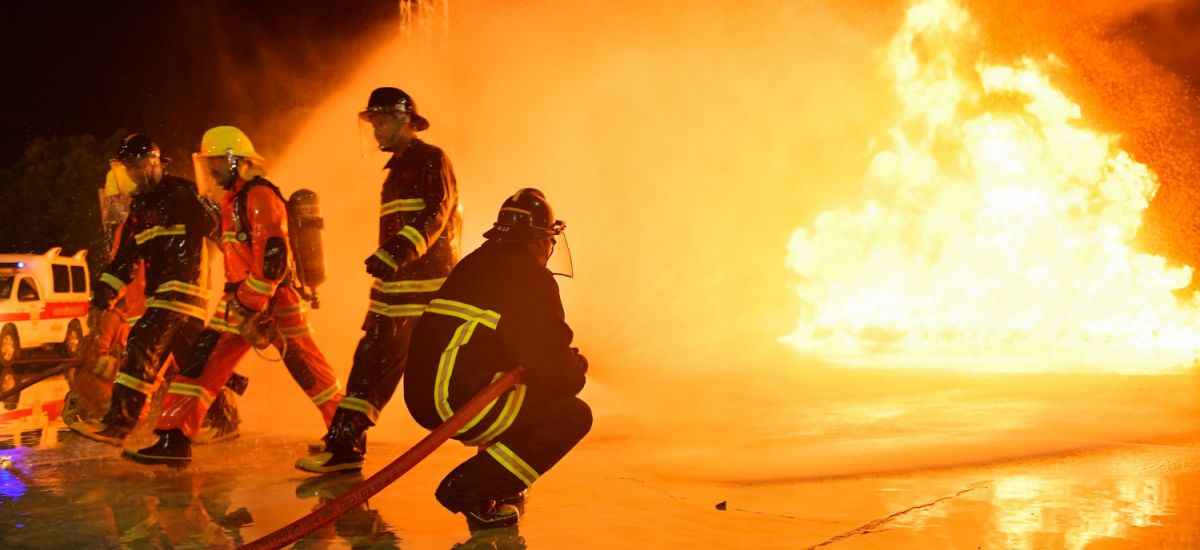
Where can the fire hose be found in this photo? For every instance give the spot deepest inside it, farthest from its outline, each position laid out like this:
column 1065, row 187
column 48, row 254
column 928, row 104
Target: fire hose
column 367, row 488
column 64, row 367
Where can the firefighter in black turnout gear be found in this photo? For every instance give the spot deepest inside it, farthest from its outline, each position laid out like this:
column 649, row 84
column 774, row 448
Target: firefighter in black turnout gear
column 498, row 310
column 419, row 224
column 167, row 224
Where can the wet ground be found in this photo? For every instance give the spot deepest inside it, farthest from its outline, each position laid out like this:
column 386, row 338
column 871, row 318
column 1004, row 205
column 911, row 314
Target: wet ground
column 855, row 459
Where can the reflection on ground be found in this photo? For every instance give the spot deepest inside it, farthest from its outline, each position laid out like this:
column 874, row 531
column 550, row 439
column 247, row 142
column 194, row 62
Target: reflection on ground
column 627, row 489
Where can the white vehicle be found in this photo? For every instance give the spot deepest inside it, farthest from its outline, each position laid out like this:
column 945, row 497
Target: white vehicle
column 43, row 304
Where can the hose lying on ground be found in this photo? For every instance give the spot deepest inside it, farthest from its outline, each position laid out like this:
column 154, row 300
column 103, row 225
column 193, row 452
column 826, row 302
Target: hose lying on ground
column 64, row 367
column 360, row 493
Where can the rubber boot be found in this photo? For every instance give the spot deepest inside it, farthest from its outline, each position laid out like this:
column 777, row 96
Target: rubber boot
column 127, row 405
column 345, row 445
column 172, row 449
column 517, row 500
column 491, row 515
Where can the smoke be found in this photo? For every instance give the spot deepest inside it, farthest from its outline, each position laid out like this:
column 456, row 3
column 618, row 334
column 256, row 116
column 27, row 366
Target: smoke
column 683, row 142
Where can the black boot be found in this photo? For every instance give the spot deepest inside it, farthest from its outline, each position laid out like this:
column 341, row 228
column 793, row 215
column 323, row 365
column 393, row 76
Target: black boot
column 516, row 500
column 172, row 449
column 345, row 445
column 491, row 515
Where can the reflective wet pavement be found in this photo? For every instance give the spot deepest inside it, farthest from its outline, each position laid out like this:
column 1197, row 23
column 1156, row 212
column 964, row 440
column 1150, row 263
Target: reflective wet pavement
column 823, row 482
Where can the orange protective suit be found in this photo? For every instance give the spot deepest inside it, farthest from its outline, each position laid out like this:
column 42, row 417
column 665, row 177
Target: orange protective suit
column 259, row 304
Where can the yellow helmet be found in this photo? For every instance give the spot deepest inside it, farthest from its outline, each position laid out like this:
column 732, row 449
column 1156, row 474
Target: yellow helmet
column 227, row 141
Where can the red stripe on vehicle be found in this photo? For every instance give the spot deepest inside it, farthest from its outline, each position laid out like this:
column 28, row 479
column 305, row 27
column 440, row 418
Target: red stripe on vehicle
column 65, row 310
column 14, row 317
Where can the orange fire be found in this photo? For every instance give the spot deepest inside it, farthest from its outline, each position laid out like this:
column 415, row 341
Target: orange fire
column 996, row 232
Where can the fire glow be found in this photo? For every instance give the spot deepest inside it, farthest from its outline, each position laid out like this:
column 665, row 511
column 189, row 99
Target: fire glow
column 996, row 232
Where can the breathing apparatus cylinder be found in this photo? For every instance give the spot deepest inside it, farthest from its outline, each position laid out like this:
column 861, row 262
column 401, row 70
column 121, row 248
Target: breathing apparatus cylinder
column 304, row 231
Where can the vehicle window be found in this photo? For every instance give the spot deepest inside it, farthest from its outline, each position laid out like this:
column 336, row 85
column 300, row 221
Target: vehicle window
column 62, row 278
column 78, row 280
column 26, row 292
column 6, row 284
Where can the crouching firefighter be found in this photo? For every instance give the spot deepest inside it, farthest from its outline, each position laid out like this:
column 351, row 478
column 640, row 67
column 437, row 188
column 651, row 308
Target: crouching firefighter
column 260, row 306
column 419, row 223
column 498, row 310
column 165, row 230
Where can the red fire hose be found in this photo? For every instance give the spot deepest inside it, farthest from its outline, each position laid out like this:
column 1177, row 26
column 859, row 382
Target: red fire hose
column 367, row 488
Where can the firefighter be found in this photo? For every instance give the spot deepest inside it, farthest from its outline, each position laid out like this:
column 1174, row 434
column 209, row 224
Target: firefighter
column 419, row 223
column 91, row 384
column 104, row 348
column 164, row 232
column 260, row 307
column 498, row 310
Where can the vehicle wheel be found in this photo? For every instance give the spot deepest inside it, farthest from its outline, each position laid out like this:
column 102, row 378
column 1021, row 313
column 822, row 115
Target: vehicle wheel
column 70, row 345
column 9, row 381
column 10, row 347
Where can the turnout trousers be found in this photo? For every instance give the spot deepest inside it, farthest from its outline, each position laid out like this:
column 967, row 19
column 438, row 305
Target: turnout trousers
column 158, row 335
column 221, row 346
column 379, row 362
column 514, row 449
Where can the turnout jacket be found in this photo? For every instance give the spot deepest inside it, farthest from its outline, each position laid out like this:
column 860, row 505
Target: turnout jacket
column 498, row 309
column 254, row 242
column 165, row 231
column 419, row 224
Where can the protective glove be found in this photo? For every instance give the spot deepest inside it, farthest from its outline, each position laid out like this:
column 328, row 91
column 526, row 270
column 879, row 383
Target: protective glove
column 394, row 254
column 251, row 325
column 379, row 267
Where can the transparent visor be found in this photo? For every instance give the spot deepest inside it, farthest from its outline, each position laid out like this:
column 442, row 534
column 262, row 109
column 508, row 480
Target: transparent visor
column 560, row 262
column 137, row 174
column 214, row 174
column 378, row 130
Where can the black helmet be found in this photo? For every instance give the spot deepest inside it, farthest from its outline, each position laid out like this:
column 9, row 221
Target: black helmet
column 525, row 217
column 394, row 100
column 135, row 146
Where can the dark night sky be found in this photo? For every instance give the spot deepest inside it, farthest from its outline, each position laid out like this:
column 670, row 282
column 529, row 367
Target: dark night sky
column 173, row 68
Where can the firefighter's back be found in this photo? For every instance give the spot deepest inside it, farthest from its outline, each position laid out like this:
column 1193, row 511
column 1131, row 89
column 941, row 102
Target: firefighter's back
column 455, row 349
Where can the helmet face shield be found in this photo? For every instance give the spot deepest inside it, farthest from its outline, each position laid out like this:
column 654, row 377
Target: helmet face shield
column 145, row 171
column 560, row 262
column 138, row 165
column 118, row 181
column 116, row 196
column 214, row 172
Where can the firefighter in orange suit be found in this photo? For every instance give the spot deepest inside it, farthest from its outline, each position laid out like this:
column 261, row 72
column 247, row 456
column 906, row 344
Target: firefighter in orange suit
column 104, row 349
column 260, row 306
column 164, row 233
column 91, row 385
column 499, row 310
column 419, row 223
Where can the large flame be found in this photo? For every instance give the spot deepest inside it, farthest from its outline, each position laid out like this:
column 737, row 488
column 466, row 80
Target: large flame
column 996, row 232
